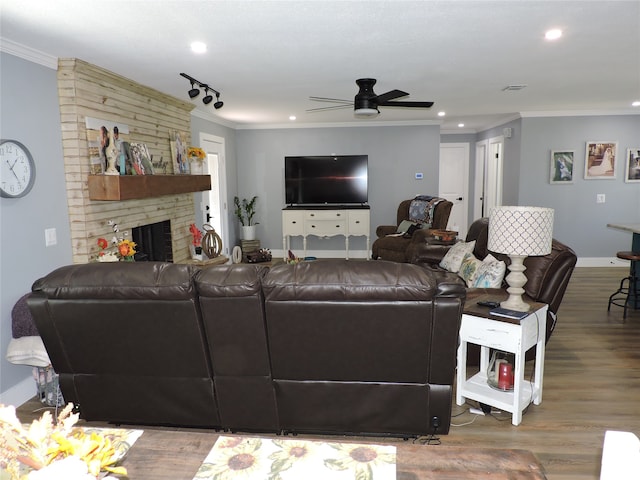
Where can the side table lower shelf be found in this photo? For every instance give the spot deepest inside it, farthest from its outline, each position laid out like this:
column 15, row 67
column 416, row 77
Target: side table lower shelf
column 477, row 388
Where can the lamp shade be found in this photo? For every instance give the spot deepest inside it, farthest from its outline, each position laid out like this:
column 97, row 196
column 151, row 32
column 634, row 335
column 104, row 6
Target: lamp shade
column 524, row 231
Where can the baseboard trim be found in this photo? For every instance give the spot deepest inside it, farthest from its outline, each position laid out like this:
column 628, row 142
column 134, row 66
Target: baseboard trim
column 601, row 262
column 19, row 393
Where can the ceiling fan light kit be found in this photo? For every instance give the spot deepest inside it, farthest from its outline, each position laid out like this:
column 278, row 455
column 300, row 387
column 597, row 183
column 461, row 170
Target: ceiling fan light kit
column 366, row 102
column 194, row 92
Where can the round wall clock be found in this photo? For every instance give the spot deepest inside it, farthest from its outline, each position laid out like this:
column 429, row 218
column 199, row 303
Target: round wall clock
column 17, row 169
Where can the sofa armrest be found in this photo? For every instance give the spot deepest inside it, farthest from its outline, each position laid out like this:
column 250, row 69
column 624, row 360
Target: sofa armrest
column 384, row 230
column 426, row 253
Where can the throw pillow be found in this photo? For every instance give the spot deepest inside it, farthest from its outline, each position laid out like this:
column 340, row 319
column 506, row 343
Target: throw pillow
column 468, row 268
column 453, row 259
column 490, row 273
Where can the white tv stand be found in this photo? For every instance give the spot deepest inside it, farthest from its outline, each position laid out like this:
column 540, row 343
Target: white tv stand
column 324, row 222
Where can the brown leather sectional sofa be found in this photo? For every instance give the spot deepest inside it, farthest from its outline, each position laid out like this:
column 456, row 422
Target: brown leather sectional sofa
column 339, row 347
column 547, row 276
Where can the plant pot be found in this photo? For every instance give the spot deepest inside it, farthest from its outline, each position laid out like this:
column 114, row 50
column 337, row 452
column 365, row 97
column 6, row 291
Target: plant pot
column 249, row 232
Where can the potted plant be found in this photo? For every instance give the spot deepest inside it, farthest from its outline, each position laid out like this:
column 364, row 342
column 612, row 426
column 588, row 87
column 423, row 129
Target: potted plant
column 245, row 211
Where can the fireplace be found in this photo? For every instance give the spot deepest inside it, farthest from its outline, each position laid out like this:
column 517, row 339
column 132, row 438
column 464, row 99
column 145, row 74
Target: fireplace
column 153, row 242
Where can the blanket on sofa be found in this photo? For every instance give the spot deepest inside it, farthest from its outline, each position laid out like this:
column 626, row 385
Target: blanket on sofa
column 421, row 209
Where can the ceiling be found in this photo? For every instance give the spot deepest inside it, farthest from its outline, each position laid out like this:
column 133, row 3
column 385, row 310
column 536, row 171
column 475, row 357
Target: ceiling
column 267, row 57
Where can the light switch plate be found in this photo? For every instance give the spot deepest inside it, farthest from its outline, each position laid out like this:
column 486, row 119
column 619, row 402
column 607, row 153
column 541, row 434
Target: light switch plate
column 50, row 237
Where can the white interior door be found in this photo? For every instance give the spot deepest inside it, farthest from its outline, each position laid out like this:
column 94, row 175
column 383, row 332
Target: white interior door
column 214, row 202
column 454, row 183
column 482, row 149
column 493, row 177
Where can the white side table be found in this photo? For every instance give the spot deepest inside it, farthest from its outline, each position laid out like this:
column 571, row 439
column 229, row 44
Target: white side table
column 507, row 335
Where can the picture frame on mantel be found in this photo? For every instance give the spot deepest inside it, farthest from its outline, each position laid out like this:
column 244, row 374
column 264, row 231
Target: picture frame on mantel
column 600, row 161
column 562, row 167
column 632, row 170
column 179, row 141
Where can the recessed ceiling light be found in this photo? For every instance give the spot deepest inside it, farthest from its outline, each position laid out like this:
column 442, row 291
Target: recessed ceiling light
column 461, row 125
column 292, row 117
column 441, row 114
column 553, row 34
column 636, row 103
column 198, row 47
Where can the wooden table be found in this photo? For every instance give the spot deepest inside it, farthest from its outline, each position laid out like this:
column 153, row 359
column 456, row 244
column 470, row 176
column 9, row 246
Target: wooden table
column 177, row 455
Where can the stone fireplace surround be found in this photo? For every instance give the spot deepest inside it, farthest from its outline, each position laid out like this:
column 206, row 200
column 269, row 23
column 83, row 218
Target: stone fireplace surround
column 86, row 90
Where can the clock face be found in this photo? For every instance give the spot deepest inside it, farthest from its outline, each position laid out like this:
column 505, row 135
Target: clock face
column 17, row 170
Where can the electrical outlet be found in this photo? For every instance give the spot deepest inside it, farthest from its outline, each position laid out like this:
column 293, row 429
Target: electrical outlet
column 600, row 198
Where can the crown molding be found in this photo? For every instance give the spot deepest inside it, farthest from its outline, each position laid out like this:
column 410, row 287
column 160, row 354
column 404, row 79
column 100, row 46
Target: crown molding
column 580, row 113
column 28, row 53
column 277, row 126
column 213, row 118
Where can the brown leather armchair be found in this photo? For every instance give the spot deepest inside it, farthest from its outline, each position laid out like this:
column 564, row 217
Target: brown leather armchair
column 400, row 249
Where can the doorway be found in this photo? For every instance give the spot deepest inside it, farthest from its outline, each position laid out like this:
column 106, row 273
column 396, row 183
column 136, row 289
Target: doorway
column 454, row 183
column 214, row 208
column 488, row 180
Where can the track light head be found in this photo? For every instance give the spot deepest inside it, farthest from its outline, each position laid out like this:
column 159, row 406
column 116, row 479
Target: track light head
column 194, row 92
column 207, row 100
column 218, row 103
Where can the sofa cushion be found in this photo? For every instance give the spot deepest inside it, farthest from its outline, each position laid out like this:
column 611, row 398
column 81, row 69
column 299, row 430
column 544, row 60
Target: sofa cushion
column 453, row 259
column 468, row 268
column 489, row 274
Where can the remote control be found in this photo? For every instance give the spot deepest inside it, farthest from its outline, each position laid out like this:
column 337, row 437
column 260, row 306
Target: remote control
column 489, row 304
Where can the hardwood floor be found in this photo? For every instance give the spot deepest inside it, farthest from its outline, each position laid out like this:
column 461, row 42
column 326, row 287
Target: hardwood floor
column 591, row 384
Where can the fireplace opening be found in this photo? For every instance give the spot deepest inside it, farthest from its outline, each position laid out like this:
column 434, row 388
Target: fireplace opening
column 153, row 242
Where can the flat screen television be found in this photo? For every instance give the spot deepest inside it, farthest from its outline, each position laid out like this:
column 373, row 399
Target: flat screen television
column 326, row 180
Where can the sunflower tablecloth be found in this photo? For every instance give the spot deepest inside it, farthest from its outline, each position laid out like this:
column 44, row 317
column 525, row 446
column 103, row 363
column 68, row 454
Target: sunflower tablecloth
column 233, row 458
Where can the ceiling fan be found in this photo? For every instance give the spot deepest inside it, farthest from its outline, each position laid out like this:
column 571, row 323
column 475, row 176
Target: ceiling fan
column 366, row 102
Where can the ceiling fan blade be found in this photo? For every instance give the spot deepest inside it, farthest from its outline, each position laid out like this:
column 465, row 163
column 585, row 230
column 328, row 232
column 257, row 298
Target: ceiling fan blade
column 334, row 107
column 407, row 104
column 336, row 100
column 385, row 97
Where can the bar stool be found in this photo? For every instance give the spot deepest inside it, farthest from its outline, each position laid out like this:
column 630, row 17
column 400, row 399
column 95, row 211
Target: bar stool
column 629, row 293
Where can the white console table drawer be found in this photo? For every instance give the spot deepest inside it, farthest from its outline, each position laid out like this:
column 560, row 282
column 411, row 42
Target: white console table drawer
column 326, row 227
column 325, row 214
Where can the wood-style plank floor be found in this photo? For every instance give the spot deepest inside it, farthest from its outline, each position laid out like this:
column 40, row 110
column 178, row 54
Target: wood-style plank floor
column 591, row 384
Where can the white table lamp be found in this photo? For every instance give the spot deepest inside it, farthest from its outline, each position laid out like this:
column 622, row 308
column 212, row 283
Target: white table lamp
column 519, row 232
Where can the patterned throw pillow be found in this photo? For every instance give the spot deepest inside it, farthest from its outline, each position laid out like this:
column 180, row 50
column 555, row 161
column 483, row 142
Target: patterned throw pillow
column 490, row 273
column 468, row 268
column 453, row 259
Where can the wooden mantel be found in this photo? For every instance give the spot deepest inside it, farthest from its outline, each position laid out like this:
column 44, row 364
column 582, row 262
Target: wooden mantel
column 129, row 187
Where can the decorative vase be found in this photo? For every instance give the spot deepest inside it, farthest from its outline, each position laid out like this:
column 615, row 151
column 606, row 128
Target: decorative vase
column 249, row 232
column 197, row 167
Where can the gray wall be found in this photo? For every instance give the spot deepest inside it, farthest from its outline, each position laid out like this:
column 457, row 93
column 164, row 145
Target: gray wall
column 29, row 113
column 579, row 220
column 395, row 155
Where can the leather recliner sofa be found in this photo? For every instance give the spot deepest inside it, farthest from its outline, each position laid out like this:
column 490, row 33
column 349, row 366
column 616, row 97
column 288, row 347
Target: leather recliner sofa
column 547, row 276
column 338, row 347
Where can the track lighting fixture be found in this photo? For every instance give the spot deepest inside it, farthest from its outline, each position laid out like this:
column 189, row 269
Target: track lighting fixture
column 194, row 92
column 218, row 103
column 208, row 98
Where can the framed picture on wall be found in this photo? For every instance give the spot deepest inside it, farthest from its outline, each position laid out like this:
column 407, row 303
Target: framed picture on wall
column 600, row 160
column 632, row 171
column 561, row 167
